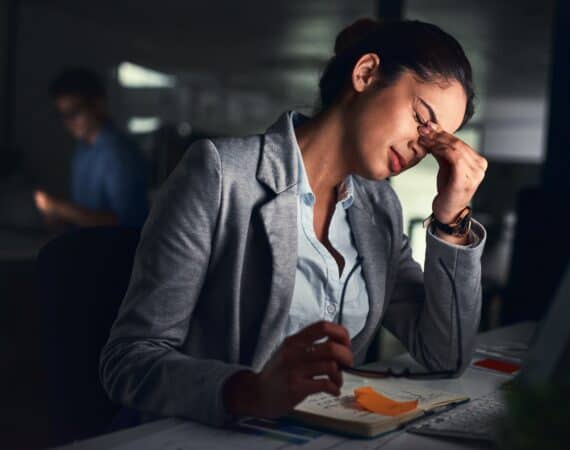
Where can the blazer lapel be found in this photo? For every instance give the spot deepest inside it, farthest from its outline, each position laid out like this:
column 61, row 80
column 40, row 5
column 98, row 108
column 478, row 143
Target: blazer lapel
column 280, row 221
column 373, row 241
column 278, row 171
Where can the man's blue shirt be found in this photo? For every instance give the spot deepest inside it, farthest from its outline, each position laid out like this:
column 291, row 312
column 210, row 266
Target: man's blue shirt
column 111, row 176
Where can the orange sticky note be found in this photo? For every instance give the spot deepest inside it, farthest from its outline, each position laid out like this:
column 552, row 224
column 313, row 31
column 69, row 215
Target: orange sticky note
column 373, row 401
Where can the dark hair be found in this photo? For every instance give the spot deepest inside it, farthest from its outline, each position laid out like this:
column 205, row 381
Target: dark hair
column 79, row 81
column 420, row 47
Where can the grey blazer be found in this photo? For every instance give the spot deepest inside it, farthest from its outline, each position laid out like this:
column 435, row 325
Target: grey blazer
column 215, row 268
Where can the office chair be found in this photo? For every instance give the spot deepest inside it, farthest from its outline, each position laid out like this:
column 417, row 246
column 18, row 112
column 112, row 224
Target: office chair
column 82, row 278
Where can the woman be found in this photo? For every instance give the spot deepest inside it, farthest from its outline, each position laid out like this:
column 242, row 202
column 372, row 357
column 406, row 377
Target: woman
column 255, row 242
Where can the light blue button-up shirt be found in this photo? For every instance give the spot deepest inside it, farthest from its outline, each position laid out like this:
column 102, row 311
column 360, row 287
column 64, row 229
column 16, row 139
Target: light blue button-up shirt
column 318, row 284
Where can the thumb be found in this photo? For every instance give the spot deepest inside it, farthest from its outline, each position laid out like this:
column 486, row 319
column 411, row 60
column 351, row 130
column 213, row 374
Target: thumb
column 442, row 153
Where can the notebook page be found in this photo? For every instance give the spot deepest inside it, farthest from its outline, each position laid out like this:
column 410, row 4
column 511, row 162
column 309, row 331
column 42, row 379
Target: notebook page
column 346, row 408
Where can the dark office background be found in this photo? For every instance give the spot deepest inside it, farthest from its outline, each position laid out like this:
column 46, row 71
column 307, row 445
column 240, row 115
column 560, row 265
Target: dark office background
column 177, row 70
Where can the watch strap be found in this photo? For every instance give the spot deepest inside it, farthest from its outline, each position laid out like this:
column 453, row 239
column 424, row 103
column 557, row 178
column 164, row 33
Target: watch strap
column 459, row 227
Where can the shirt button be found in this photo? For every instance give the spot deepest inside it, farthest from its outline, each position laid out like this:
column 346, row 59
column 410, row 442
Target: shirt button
column 331, row 309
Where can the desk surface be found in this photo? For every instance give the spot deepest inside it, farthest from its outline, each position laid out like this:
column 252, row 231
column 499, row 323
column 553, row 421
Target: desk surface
column 173, row 434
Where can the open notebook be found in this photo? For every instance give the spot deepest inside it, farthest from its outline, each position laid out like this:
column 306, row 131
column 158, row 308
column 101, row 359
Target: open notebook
column 343, row 414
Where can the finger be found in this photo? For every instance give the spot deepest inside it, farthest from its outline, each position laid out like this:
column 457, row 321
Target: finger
column 323, row 329
column 434, row 131
column 472, row 159
column 451, row 142
column 465, row 177
column 445, row 138
column 330, row 351
column 468, row 160
column 458, row 175
column 319, row 368
column 482, row 162
column 452, row 153
column 430, row 144
column 470, row 154
column 474, row 176
column 443, row 153
column 438, row 135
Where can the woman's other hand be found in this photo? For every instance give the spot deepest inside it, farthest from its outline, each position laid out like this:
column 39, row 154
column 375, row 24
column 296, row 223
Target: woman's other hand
column 289, row 376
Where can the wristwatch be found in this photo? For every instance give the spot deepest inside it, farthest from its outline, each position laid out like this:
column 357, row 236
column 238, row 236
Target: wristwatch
column 460, row 227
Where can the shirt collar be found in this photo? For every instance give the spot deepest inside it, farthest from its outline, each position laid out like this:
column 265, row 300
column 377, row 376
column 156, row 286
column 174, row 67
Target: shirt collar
column 345, row 190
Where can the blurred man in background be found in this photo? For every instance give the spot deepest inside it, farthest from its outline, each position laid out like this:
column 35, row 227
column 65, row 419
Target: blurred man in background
column 108, row 173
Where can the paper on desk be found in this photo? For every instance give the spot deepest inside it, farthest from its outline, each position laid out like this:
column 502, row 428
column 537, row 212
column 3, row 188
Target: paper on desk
column 185, row 435
column 514, row 351
column 191, row 435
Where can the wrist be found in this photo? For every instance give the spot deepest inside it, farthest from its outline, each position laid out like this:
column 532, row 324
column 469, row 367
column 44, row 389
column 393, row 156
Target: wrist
column 238, row 392
column 455, row 231
column 447, row 218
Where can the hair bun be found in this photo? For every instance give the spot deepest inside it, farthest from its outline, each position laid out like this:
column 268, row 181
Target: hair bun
column 354, row 33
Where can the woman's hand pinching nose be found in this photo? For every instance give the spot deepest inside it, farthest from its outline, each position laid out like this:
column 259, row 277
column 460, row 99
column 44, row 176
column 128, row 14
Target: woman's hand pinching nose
column 461, row 170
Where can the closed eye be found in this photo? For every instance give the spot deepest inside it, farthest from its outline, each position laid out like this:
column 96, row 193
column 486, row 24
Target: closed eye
column 418, row 119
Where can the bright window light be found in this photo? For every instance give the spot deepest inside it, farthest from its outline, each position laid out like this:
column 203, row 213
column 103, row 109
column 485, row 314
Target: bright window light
column 135, row 76
column 143, row 124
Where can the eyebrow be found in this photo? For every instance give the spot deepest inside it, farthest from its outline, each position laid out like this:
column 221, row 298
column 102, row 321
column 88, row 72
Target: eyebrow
column 432, row 115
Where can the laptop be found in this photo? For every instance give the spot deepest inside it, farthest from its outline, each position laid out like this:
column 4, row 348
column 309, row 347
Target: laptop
column 548, row 360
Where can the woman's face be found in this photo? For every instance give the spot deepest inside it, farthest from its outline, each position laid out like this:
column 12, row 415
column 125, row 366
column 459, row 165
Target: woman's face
column 383, row 123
